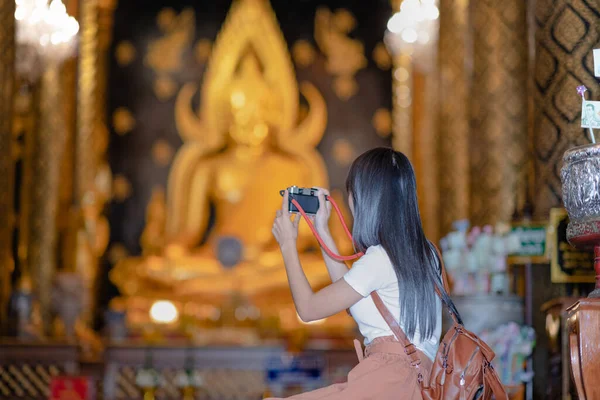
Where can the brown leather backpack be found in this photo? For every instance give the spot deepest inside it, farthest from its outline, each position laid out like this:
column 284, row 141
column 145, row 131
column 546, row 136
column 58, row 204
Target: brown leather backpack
column 462, row 368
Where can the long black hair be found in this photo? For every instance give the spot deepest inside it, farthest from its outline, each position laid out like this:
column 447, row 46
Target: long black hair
column 383, row 187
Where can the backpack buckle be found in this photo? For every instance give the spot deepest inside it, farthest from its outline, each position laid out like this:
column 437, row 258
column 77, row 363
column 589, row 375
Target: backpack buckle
column 420, row 378
column 410, row 349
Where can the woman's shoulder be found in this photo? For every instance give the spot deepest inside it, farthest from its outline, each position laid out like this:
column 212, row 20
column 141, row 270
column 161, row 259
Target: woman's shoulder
column 376, row 255
column 376, row 251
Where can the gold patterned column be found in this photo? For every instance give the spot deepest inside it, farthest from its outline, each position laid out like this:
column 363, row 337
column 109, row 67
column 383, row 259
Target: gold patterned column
column 69, row 81
column 568, row 31
column 7, row 77
column 86, row 100
column 92, row 177
column 106, row 10
column 47, row 151
column 425, row 95
column 498, row 144
column 454, row 122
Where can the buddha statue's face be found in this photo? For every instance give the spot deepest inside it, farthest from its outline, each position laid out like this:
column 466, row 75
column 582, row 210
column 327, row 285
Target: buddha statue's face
column 248, row 126
column 253, row 106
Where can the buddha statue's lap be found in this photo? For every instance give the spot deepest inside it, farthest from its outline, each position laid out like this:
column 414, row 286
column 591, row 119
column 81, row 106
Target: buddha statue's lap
column 244, row 190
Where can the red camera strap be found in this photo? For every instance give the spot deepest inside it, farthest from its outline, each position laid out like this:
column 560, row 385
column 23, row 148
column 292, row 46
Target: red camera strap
column 314, row 231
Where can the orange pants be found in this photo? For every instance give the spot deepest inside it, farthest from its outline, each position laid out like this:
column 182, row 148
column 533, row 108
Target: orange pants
column 383, row 373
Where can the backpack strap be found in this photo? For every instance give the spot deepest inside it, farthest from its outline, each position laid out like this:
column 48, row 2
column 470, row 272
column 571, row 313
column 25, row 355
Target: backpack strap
column 492, row 384
column 409, row 348
column 445, row 283
column 443, row 272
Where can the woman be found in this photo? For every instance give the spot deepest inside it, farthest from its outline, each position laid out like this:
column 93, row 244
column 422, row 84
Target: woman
column 400, row 264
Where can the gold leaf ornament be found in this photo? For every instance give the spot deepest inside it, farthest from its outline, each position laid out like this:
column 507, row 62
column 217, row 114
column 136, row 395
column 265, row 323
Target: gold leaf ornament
column 303, row 53
column 125, row 53
column 343, row 152
column 202, row 50
column 382, row 122
column 122, row 189
column 123, row 121
column 382, row 57
column 162, row 152
column 345, row 56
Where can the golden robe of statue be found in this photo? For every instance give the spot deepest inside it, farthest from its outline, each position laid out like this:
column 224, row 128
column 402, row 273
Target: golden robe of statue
column 244, row 147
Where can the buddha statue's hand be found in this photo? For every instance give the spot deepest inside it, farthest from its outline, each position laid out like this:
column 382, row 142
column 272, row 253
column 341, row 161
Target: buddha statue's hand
column 175, row 250
column 321, row 219
column 284, row 229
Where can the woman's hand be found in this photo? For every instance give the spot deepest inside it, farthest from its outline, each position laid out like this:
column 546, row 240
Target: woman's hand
column 321, row 219
column 284, row 230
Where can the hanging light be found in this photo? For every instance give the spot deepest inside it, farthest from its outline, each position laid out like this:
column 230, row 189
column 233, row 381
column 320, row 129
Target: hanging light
column 45, row 34
column 413, row 26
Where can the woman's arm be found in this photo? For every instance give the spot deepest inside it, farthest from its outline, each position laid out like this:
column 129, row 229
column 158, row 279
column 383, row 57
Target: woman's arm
column 336, row 269
column 312, row 306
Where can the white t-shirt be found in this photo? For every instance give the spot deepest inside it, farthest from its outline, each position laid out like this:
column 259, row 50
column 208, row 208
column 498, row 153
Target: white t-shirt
column 374, row 272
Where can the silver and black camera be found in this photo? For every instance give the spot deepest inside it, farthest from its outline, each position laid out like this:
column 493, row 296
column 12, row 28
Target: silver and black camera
column 306, row 197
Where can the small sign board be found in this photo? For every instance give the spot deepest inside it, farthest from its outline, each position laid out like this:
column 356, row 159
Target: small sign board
column 597, row 63
column 590, row 114
column 532, row 237
column 297, row 370
column 72, row 388
column 567, row 264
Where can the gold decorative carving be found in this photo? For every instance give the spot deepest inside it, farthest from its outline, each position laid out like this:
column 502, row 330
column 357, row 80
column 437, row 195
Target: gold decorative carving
column 153, row 237
column 7, row 78
column 345, row 56
column 454, row 113
column 116, row 252
column 343, row 152
column 498, row 109
column 202, row 50
column 123, row 121
column 164, row 55
column 125, row 53
column 164, row 87
column 162, row 153
column 382, row 57
column 382, row 122
column 304, row 53
column 565, row 38
column 121, row 188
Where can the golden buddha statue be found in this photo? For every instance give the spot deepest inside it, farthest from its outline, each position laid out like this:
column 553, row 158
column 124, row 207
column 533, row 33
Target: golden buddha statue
column 246, row 145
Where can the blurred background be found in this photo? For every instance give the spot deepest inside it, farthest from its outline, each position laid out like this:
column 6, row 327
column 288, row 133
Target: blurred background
column 143, row 145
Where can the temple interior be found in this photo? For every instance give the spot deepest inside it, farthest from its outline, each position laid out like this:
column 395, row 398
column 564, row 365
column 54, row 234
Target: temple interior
column 144, row 144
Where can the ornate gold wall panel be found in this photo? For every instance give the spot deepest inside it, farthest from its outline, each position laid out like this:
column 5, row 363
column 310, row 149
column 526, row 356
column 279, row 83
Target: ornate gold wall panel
column 7, row 75
column 568, row 31
column 454, row 122
column 498, row 144
column 47, row 148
